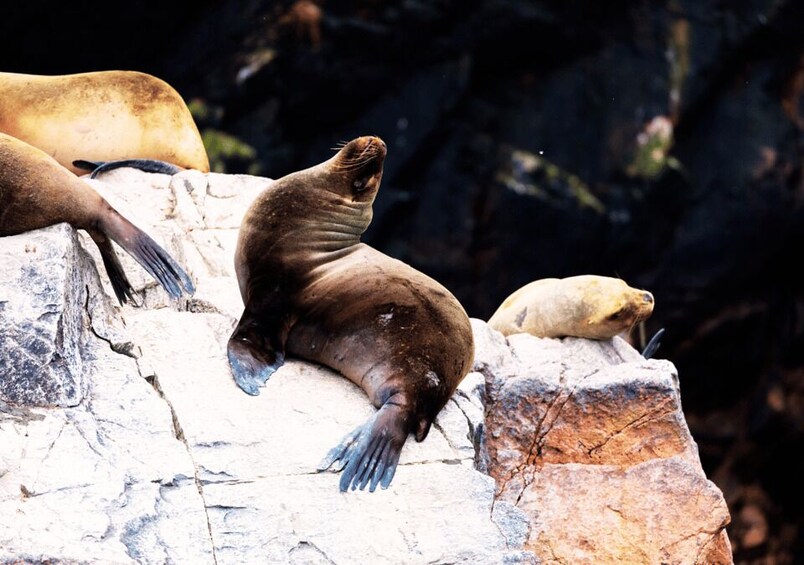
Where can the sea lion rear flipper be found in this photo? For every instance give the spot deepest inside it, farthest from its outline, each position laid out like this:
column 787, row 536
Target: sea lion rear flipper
column 370, row 452
column 653, row 344
column 86, row 165
column 146, row 165
column 159, row 264
column 122, row 288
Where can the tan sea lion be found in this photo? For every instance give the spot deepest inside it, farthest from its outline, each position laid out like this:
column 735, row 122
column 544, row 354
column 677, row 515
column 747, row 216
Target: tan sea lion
column 589, row 306
column 100, row 117
column 36, row 192
column 313, row 290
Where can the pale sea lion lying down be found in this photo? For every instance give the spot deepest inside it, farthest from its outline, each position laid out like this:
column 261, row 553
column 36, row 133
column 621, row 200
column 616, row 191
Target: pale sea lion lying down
column 101, row 117
column 589, row 306
column 36, row 192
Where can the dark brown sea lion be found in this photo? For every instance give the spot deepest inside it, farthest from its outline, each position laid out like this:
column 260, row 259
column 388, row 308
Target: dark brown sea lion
column 101, row 116
column 36, row 192
column 313, row 290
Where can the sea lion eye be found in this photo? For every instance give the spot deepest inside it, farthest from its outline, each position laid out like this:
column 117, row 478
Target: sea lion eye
column 616, row 315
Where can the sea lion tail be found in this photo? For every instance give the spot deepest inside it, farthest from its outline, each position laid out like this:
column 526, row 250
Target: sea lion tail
column 369, row 454
column 146, row 165
column 153, row 258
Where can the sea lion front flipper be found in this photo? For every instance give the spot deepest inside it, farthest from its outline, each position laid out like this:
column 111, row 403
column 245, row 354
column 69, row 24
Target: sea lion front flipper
column 145, row 165
column 256, row 348
column 370, row 452
column 117, row 276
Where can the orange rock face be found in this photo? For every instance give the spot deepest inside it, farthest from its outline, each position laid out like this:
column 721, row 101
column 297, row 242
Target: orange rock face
column 589, row 440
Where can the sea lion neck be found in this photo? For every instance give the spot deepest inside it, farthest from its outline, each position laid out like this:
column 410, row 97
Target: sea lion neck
column 328, row 207
column 340, row 192
column 336, row 224
column 311, row 217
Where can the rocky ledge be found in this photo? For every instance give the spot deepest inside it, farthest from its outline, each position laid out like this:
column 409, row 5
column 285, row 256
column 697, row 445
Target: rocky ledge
column 125, row 440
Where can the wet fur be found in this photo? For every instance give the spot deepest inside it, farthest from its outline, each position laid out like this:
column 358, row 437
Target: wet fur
column 311, row 289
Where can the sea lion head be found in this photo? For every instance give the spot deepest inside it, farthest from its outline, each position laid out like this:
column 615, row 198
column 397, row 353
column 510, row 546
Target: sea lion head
column 613, row 306
column 357, row 168
column 304, row 216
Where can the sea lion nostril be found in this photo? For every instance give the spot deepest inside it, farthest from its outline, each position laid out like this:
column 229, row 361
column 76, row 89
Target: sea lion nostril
column 647, row 297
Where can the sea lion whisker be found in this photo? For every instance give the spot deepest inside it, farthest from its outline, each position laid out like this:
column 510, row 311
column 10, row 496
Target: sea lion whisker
column 363, row 151
column 356, row 163
column 366, row 154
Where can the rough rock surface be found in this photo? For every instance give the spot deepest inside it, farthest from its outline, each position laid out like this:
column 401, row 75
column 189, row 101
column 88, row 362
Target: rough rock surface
column 155, row 456
column 656, row 141
column 588, row 438
column 41, row 363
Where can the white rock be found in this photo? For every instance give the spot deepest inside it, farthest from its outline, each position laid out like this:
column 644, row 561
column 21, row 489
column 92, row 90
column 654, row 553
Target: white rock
column 149, row 453
column 186, row 468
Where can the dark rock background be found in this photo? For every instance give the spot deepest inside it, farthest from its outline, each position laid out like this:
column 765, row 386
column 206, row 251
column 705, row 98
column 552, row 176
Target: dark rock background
column 656, row 141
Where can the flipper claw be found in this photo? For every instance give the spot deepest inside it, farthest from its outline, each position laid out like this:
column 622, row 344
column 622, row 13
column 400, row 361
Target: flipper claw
column 335, row 455
column 369, row 454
